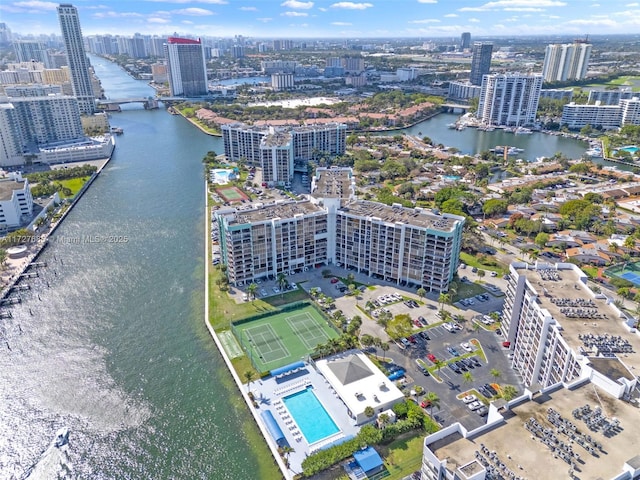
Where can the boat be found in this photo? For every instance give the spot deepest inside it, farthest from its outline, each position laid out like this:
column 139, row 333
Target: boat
column 452, row 126
column 61, row 438
column 509, row 129
column 522, row 131
column 117, row 130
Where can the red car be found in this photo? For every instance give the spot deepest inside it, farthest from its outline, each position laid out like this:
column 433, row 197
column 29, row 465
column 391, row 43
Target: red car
column 417, row 323
column 432, row 357
column 425, row 404
column 334, row 280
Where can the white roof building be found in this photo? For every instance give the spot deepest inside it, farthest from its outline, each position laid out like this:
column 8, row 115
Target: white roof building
column 359, row 383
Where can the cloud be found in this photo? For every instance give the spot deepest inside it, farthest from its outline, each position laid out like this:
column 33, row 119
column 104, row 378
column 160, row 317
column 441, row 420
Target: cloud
column 427, row 1
column 264, row 19
column 192, row 11
column 523, row 9
column 212, row 2
column 595, row 5
column 35, row 6
column 294, row 14
column 295, row 4
column 635, row 4
column 112, row 14
column 187, row 22
column 512, row 4
column 426, row 20
column 451, row 15
column 352, row 5
column 341, row 24
column 474, row 20
column 249, row 9
column 158, row 20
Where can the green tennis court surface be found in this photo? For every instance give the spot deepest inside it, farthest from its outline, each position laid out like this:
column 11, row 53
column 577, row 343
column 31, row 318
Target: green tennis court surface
column 232, row 194
column 285, row 337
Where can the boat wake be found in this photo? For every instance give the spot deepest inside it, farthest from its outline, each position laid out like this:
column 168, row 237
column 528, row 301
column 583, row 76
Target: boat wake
column 54, row 463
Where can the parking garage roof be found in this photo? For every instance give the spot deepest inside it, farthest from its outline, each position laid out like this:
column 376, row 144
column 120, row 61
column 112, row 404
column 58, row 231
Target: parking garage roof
column 516, row 448
column 568, row 285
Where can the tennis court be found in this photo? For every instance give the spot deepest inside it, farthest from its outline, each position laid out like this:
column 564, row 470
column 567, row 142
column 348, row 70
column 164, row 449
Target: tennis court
column 284, row 337
column 629, row 271
column 231, row 194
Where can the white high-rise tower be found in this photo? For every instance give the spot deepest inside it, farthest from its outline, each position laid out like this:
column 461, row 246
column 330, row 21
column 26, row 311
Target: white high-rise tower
column 77, row 58
column 566, row 61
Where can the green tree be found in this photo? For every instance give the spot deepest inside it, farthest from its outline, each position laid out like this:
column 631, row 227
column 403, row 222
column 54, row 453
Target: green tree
column 369, row 411
column 434, row 401
column 400, row 326
column 421, row 292
column 495, row 373
column 251, row 290
column 248, row 376
column 509, row 392
column 443, row 299
column 541, row 239
column 481, row 273
column 494, row 207
column 282, row 281
column 467, row 377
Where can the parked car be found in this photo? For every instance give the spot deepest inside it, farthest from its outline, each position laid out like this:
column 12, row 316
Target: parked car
column 461, row 366
column 491, row 389
column 396, row 375
column 482, row 411
column 425, row 404
column 422, row 320
column 475, row 361
column 405, row 342
column 466, row 346
column 432, row 357
column 334, row 280
column 453, row 351
column 454, row 367
column 424, row 335
column 448, row 327
column 474, row 405
column 469, row 398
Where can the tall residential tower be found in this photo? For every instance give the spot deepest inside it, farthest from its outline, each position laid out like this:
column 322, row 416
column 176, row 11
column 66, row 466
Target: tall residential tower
column 480, row 61
column 77, row 58
column 566, row 62
column 509, row 99
column 186, row 67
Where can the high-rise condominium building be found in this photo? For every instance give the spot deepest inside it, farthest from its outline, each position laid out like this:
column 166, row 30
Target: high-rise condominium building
column 465, row 40
column 403, row 245
column 186, row 67
column 77, row 58
column 480, row 61
column 28, row 51
column 566, row 61
column 509, row 99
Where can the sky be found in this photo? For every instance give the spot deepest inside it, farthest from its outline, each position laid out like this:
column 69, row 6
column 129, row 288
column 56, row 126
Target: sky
column 332, row 18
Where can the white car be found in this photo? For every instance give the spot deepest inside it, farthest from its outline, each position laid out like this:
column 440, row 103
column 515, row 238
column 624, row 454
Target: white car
column 447, row 327
column 276, row 290
column 467, row 346
column 470, row 399
column 245, row 297
column 474, row 405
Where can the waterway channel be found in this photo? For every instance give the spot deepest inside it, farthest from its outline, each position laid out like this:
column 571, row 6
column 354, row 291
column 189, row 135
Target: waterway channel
column 110, row 341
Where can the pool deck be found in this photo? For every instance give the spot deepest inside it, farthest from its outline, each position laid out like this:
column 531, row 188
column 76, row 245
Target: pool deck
column 269, row 393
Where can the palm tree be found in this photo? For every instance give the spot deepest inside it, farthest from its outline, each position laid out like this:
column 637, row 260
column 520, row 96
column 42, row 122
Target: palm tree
column 251, row 290
column 286, row 451
column 434, row 401
column 383, row 418
column 467, row 377
column 495, row 373
column 439, row 365
column 509, row 392
column 442, row 299
column 369, row 305
column 421, row 293
column 384, row 346
column 282, row 281
column 248, row 375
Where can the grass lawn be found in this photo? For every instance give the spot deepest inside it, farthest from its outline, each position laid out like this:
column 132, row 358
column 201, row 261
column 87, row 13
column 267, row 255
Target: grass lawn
column 626, row 80
column 592, row 272
column 403, row 457
column 73, row 184
column 466, row 290
column 472, row 261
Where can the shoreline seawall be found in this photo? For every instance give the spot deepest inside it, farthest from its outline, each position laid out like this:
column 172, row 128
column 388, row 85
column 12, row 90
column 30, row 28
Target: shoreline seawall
column 272, row 446
column 44, row 241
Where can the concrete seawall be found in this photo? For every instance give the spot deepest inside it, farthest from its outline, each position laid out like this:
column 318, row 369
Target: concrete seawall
column 43, row 242
column 243, row 391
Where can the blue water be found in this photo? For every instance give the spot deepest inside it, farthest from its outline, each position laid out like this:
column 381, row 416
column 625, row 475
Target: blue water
column 630, row 149
column 452, row 178
column 222, row 174
column 313, row 420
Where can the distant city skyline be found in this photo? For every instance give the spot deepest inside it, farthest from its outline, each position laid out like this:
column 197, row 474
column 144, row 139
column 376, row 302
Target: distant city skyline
column 332, row 19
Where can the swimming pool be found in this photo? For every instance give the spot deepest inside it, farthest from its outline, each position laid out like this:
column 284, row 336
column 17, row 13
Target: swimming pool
column 313, row 420
column 631, row 149
column 220, row 176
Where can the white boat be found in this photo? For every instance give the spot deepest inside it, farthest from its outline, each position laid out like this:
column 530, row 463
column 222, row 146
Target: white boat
column 62, row 437
column 522, row 131
column 452, row 125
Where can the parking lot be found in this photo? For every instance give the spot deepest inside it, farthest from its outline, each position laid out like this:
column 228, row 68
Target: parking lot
column 453, row 384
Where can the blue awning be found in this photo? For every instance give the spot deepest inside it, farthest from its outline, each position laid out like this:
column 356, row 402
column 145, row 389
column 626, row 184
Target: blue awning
column 368, row 459
column 273, row 427
column 287, row 368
